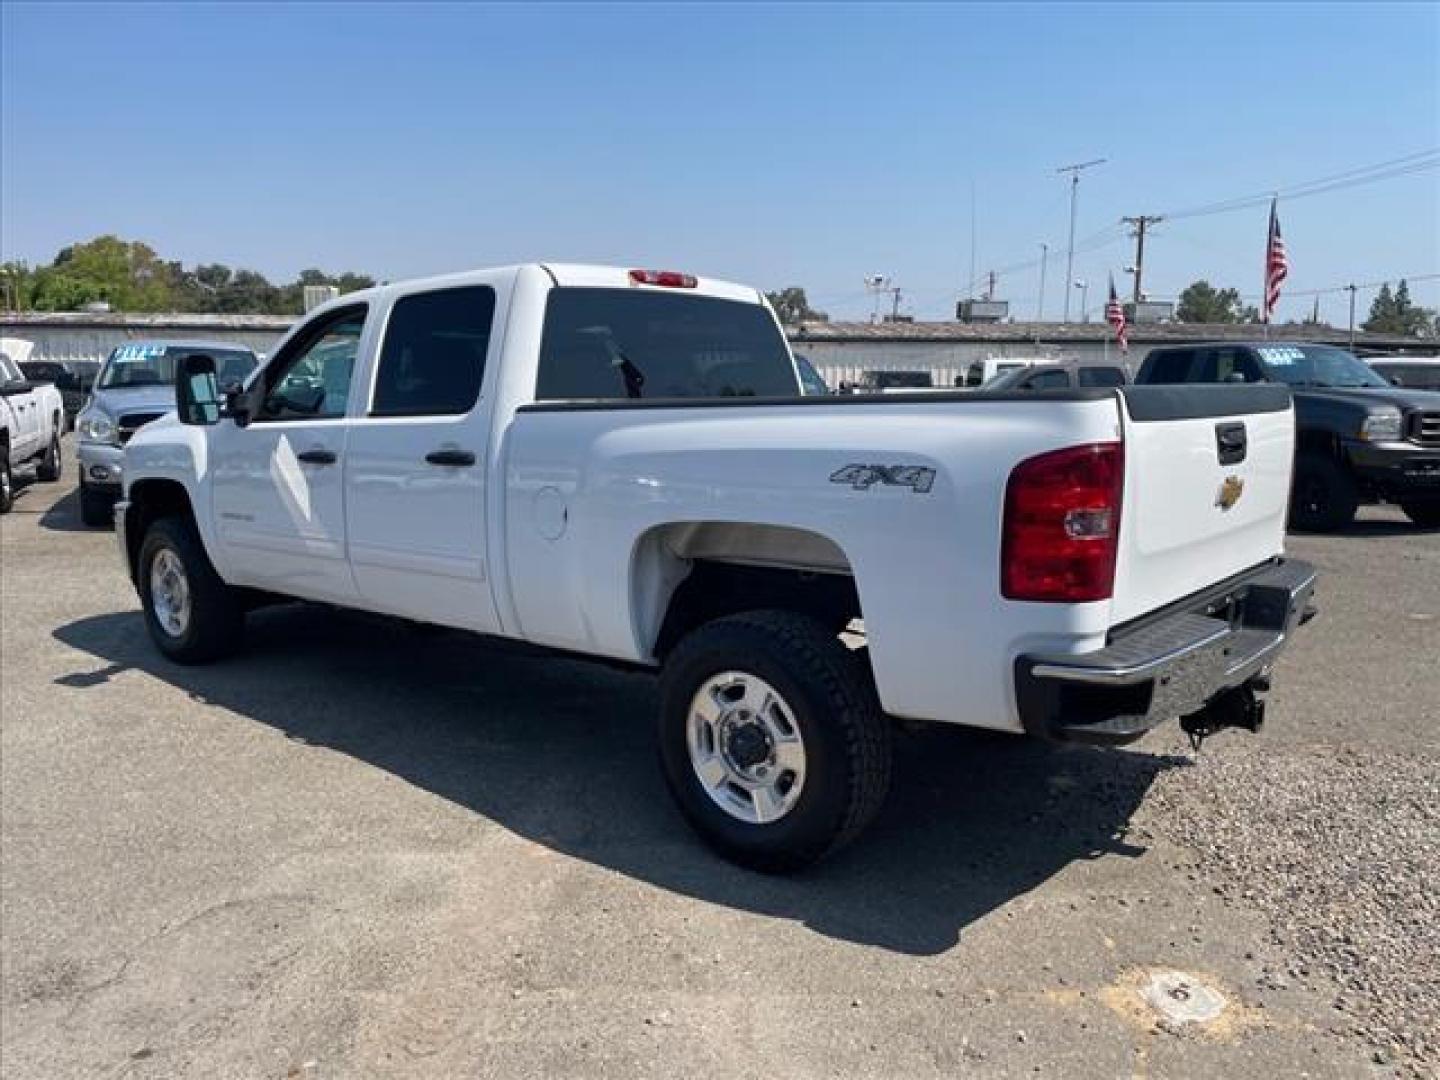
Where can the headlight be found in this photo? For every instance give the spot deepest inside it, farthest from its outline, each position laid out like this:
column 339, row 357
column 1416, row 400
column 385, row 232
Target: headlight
column 96, row 427
column 1381, row 426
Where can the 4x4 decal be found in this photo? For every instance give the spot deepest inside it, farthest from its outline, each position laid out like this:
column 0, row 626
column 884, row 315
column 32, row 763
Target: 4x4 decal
column 917, row 478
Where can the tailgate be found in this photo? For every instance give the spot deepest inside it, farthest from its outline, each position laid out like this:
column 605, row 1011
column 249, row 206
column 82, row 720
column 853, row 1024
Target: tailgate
column 1207, row 485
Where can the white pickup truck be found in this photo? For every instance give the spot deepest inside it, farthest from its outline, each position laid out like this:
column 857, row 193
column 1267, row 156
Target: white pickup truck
column 618, row 464
column 32, row 418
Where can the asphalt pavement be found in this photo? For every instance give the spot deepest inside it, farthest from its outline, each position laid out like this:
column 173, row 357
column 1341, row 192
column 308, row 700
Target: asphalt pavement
column 361, row 849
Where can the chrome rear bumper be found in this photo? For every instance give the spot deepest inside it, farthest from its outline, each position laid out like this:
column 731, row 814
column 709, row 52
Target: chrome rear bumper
column 1170, row 665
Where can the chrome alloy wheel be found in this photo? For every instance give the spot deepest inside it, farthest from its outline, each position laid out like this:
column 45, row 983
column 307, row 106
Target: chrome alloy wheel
column 170, row 593
column 745, row 747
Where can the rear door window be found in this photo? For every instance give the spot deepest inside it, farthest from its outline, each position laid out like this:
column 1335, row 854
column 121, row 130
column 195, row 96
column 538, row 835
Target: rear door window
column 433, row 359
column 1048, row 380
column 621, row 343
column 1101, row 376
column 1168, row 366
column 1227, row 365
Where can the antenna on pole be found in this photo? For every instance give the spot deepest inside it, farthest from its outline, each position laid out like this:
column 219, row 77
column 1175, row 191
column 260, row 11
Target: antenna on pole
column 1074, row 171
column 970, row 288
column 875, row 285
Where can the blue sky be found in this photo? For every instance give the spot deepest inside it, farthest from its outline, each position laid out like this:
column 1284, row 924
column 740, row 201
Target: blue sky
column 776, row 145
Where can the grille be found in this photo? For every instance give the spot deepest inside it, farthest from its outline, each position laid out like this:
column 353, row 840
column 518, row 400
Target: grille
column 1425, row 428
column 129, row 423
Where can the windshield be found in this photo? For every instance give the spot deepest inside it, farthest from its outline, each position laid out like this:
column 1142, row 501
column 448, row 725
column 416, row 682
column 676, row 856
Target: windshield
column 628, row 343
column 154, row 365
column 1317, row 365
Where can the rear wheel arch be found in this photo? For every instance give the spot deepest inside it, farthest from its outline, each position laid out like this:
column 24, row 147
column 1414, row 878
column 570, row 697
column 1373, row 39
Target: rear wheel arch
column 685, row 574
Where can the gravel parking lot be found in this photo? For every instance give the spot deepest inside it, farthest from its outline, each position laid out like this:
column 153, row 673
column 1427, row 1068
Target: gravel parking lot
column 365, row 850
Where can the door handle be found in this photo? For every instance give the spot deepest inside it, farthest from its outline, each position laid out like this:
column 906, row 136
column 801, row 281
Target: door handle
column 450, row 457
column 316, row 457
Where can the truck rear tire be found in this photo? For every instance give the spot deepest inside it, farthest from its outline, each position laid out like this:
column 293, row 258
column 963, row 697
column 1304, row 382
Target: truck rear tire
column 7, row 480
column 192, row 615
column 1324, row 496
column 772, row 739
column 48, row 471
column 1425, row 513
column 96, row 508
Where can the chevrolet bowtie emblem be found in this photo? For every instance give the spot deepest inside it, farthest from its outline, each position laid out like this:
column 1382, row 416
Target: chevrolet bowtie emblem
column 1230, row 492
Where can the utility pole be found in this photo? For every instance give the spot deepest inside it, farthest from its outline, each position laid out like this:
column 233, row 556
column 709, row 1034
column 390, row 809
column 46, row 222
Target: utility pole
column 1084, row 287
column 1074, row 171
column 1040, row 307
column 895, row 304
column 1141, row 222
column 1351, row 290
column 990, row 288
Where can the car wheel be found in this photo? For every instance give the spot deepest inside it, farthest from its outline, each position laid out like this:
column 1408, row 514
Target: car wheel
column 1323, row 497
column 7, row 481
column 1425, row 513
column 48, row 471
column 193, row 616
column 96, row 507
column 772, row 739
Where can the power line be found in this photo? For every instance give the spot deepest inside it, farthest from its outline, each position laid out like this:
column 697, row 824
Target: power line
column 1409, row 164
column 1421, row 161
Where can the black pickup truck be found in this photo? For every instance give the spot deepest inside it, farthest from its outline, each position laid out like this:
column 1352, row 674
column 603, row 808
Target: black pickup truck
column 1358, row 438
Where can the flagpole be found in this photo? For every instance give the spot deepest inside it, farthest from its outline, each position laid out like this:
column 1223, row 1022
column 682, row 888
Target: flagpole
column 1265, row 311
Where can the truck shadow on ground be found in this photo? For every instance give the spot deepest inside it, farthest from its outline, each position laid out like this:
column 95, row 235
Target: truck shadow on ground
column 561, row 752
column 63, row 515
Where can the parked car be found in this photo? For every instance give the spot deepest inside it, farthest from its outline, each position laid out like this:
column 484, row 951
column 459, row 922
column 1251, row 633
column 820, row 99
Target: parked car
column 981, row 372
column 1416, row 372
column 619, row 464
column 1360, row 439
column 69, row 377
column 32, row 417
column 135, row 386
column 812, row 383
column 890, row 382
column 1059, row 377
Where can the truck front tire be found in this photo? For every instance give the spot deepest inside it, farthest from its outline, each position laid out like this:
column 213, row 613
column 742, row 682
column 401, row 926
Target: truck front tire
column 48, row 471
column 772, row 739
column 1425, row 513
column 192, row 615
column 1324, row 496
column 7, row 480
column 96, row 507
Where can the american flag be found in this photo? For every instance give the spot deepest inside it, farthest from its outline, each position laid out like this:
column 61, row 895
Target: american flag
column 1277, row 264
column 1115, row 316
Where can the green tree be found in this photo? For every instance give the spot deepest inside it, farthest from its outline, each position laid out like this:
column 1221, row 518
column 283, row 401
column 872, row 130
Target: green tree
column 125, row 273
column 1201, row 302
column 1396, row 313
column 792, row 307
column 130, row 276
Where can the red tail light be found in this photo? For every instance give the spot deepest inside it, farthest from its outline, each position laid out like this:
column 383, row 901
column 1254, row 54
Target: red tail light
column 1062, row 525
column 669, row 279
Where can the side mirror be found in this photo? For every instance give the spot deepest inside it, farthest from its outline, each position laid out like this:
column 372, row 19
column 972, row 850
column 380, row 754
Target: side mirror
column 197, row 392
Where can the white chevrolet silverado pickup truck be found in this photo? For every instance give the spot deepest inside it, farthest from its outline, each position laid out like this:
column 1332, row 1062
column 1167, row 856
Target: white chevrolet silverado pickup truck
column 32, row 418
column 618, row 464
